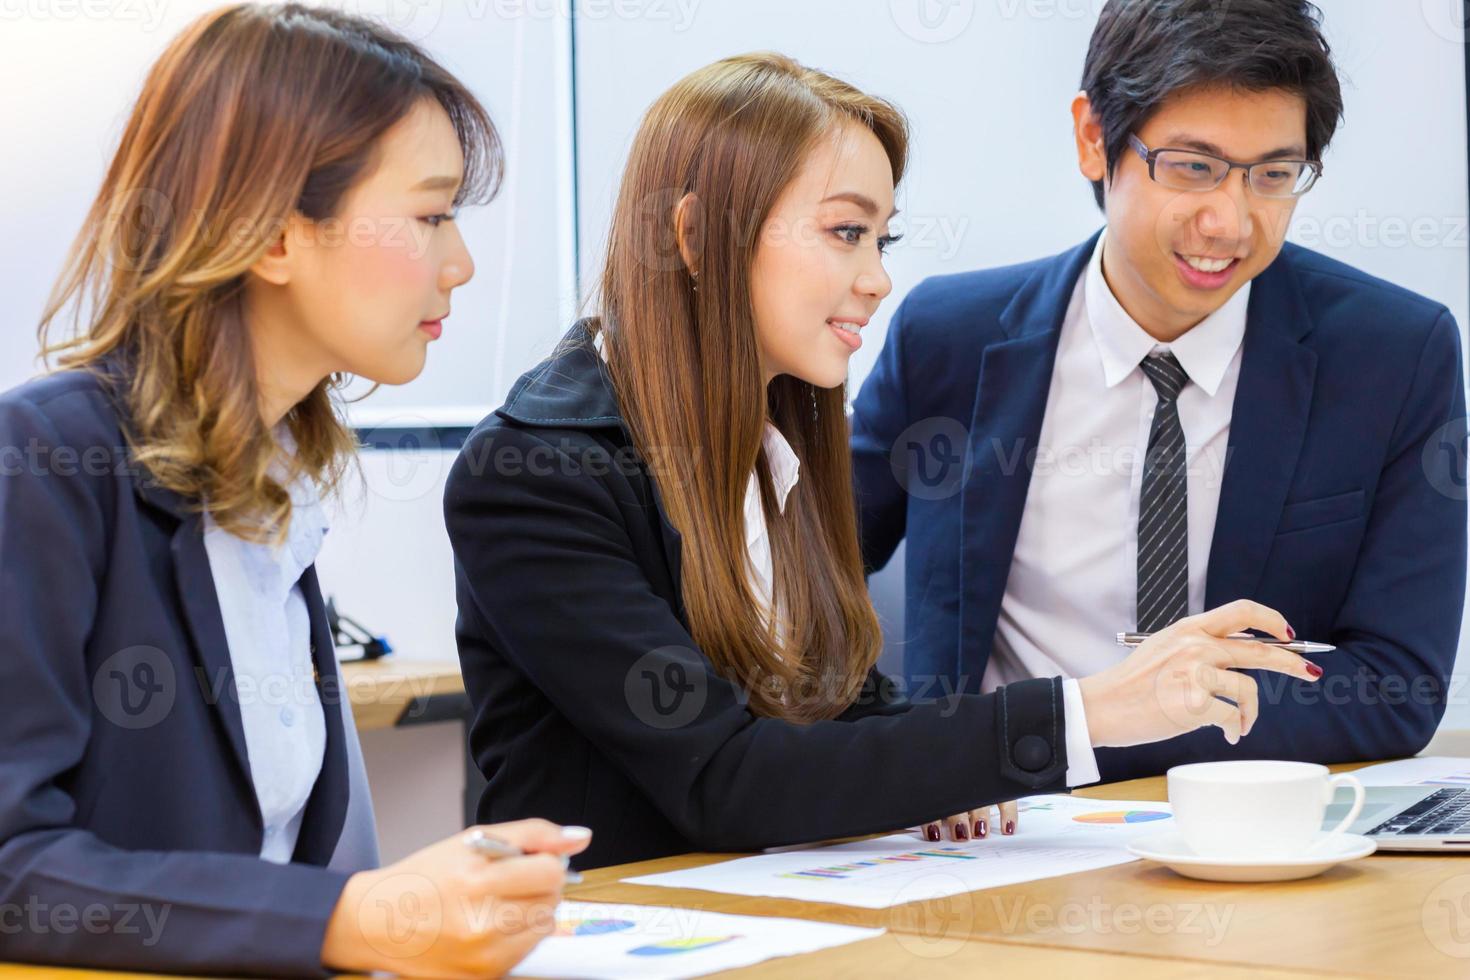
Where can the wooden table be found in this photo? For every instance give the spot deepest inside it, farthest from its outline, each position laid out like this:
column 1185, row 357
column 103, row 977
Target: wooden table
column 889, row 956
column 389, row 692
column 1399, row 915
column 1405, row 915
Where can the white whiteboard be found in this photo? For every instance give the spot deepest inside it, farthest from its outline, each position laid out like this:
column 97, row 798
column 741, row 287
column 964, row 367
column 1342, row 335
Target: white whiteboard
column 70, row 81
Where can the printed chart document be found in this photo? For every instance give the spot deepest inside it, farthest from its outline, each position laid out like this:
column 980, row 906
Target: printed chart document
column 1431, row 770
column 615, row 941
column 1055, row 835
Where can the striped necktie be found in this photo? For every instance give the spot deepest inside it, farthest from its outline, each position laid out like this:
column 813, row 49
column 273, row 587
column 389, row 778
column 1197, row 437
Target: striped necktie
column 1163, row 511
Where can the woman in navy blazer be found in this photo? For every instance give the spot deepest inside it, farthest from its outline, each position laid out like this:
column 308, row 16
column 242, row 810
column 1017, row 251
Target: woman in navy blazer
column 158, row 520
column 663, row 622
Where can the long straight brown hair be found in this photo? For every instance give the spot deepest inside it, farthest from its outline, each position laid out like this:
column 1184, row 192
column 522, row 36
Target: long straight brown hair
column 686, row 368
column 252, row 113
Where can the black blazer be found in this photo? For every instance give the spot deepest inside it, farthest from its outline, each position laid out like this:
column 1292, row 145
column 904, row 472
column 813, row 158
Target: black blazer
column 594, row 706
column 124, row 783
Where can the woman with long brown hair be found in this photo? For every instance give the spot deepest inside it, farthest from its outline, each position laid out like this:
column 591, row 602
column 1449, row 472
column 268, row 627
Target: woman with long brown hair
column 663, row 620
column 179, row 773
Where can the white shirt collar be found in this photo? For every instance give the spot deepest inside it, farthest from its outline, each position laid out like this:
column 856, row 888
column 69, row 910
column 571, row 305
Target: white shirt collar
column 1205, row 351
column 274, row 567
column 785, row 467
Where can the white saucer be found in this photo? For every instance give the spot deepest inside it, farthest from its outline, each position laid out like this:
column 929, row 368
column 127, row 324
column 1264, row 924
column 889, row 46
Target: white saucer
column 1168, row 848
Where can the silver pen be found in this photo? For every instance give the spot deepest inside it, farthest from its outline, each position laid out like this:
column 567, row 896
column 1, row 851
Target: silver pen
column 1302, row 647
column 495, row 849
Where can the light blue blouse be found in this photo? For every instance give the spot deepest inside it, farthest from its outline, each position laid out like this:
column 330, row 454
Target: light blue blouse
column 268, row 629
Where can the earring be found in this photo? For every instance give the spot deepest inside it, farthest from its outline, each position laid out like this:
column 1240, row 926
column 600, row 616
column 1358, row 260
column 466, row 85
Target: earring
column 695, row 276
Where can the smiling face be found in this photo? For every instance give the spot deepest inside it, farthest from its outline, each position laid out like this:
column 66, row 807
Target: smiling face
column 818, row 271
column 363, row 292
column 1174, row 257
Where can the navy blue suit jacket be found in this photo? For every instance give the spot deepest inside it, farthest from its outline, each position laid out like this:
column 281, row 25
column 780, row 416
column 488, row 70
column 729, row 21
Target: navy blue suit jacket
column 129, row 830
column 1343, row 501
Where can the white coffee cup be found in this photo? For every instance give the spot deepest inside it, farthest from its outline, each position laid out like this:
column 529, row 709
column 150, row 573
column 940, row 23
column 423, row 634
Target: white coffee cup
column 1256, row 808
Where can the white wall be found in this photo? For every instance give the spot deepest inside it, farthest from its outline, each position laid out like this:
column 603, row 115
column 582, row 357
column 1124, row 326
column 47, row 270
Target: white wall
column 1392, row 199
column 71, row 72
column 987, row 87
column 386, row 559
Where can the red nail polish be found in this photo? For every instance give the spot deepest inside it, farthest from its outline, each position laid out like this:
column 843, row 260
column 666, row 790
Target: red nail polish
column 1290, row 633
column 980, row 829
column 932, row 832
column 961, row 832
column 1010, row 826
column 1313, row 669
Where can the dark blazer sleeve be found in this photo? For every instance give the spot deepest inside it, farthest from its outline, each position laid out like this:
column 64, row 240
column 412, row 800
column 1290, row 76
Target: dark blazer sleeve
column 555, row 582
column 66, row 896
column 879, row 416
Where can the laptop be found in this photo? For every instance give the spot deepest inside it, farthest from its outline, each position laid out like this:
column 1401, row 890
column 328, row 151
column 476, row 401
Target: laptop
column 1408, row 818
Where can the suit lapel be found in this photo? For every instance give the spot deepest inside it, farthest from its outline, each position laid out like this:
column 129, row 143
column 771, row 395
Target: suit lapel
column 200, row 602
column 326, row 808
column 574, row 388
column 1005, row 427
column 1268, row 423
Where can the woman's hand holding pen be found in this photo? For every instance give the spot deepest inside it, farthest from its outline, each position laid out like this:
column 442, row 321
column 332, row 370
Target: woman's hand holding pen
column 449, row 911
column 1174, row 681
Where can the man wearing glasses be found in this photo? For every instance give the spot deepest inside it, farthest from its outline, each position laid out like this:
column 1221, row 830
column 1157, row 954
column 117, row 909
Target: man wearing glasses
column 1181, row 412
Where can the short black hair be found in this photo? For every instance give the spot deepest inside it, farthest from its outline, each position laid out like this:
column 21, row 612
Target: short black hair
column 1144, row 51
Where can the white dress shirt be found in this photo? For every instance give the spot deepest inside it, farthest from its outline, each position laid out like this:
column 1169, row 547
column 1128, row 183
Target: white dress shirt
column 1074, row 577
column 268, row 630
column 785, row 467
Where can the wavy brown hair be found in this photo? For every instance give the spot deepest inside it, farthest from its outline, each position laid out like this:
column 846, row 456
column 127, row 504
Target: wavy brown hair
column 253, row 113
column 686, row 368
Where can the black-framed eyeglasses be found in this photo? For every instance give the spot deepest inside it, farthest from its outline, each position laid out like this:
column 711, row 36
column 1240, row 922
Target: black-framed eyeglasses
column 1191, row 170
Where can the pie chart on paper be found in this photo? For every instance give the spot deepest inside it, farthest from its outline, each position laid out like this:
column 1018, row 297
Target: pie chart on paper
column 1121, row 816
column 591, row 927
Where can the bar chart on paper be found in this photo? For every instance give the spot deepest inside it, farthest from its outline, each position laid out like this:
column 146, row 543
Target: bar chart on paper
column 1122, row 816
column 905, row 861
column 1055, row 835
